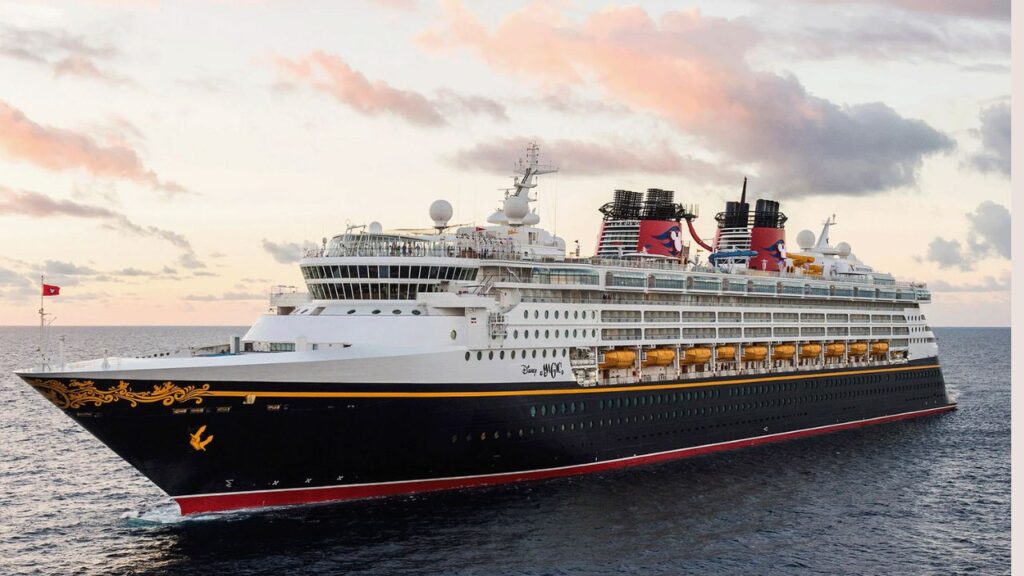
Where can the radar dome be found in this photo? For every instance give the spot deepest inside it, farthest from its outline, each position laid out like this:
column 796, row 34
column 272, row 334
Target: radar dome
column 516, row 208
column 805, row 239
column 843, row 249
column 498, row 218
column 531, row 219
column 441, row 213
column 374, row 228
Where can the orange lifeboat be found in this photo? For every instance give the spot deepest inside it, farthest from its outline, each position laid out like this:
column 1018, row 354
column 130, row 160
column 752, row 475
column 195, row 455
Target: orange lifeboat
column 692, row 356
column 658, row 357
column 835, row 350
column 783, row 351
column 725, row 353
column 754, row 353
column 618, row 359
column 810, row 350
column 858, row 349
column 879, row 348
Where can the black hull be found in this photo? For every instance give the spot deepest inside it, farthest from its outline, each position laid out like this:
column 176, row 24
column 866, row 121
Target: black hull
column 252, row 438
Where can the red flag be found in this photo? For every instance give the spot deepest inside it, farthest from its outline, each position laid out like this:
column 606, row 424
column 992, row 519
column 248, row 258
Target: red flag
column 51, row 290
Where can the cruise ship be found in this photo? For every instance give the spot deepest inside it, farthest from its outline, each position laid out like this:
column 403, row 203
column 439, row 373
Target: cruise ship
column 465, row 356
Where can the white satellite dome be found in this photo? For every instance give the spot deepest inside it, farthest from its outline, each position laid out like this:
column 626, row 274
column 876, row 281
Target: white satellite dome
column 498, row 218
column 843, row 249
column 516, row 208
column 375, row 228
column 805, row 239
column 441, row 213
column 531, row 219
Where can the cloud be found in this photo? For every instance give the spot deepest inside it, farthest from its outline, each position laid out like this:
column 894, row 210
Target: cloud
column 693, row 71
column 330, row 74
column 995, row 140
column 286, row 252
column 188, row 260
column 988, row 233
column 583, row 158
column 67, row 269
column 36, row 205
column 982, row 9
column 947, row 254
column 989, row 230
column 10, row 278
column 988, row 284
column 58, row 149
column 64, row 53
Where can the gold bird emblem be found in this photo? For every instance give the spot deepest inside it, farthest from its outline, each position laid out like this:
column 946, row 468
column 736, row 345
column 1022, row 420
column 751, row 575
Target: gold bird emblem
column 197, row 441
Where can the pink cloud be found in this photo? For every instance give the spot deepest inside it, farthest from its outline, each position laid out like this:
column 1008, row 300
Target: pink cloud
column 331, row 74
column 59, row 149
column 692, row 71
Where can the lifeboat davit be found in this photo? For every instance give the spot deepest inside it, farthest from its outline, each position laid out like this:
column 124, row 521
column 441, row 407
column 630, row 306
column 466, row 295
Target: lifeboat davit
column 879, row 348
column 725, row 353
column 618, row 359
column 858, row 349
column 835, row 350
column 810, row 350
column 754, row 353
column 658, row 357
column 693, row 356
column 783, row 351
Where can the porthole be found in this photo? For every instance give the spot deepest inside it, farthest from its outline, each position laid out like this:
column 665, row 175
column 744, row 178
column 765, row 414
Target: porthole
column 396, row 311
column 496, row 434
column 526, row 314
column 513, row 354
column 351, row 311
column 547, row 333
column 573, row 332
column 453, row 334
column 576, row 315
column 483, row 435
column 534, row 354
column 376, row 312
column 544, row 353
column 467, row 356
column 536, row 333
column 557, row 333
column 564, row 352
column 545, row 314
column 556, row 314
column 416, row 312
column 501, row 355
column 515, row 333
column 526, row 334
column 490, row 355
column 479, row 355
column 536, row 314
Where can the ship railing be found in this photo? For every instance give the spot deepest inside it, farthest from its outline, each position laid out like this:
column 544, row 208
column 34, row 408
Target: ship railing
column 482, row 247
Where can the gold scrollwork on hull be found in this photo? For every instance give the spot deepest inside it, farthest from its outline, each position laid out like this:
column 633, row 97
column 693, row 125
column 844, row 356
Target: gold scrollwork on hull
column 76, row 394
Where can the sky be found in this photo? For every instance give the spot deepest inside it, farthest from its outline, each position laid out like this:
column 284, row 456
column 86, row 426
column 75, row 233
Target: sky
column 166, row 162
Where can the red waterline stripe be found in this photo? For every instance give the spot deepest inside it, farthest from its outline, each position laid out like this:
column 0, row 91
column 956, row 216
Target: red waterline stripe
column 291, row 496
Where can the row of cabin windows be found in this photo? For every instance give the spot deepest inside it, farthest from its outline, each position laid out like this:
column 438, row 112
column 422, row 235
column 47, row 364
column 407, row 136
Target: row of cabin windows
column 500, row 355
column 422, row 272
column 579, row 407
column 576, row 314
column 348, row 291
column 558, row 333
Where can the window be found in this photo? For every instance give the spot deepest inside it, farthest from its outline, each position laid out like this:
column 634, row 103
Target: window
column 453, row 334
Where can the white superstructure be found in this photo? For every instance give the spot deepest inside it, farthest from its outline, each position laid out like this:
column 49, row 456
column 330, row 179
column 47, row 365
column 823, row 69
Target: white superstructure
column 505, row 303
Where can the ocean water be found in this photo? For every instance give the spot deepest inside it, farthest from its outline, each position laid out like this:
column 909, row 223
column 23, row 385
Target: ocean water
column 929, row 496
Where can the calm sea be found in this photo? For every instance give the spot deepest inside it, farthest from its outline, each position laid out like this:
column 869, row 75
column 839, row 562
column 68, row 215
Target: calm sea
column 922, row 497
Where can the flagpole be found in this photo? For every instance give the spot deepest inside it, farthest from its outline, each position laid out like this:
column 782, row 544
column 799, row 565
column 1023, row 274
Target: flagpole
column 42, row 321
